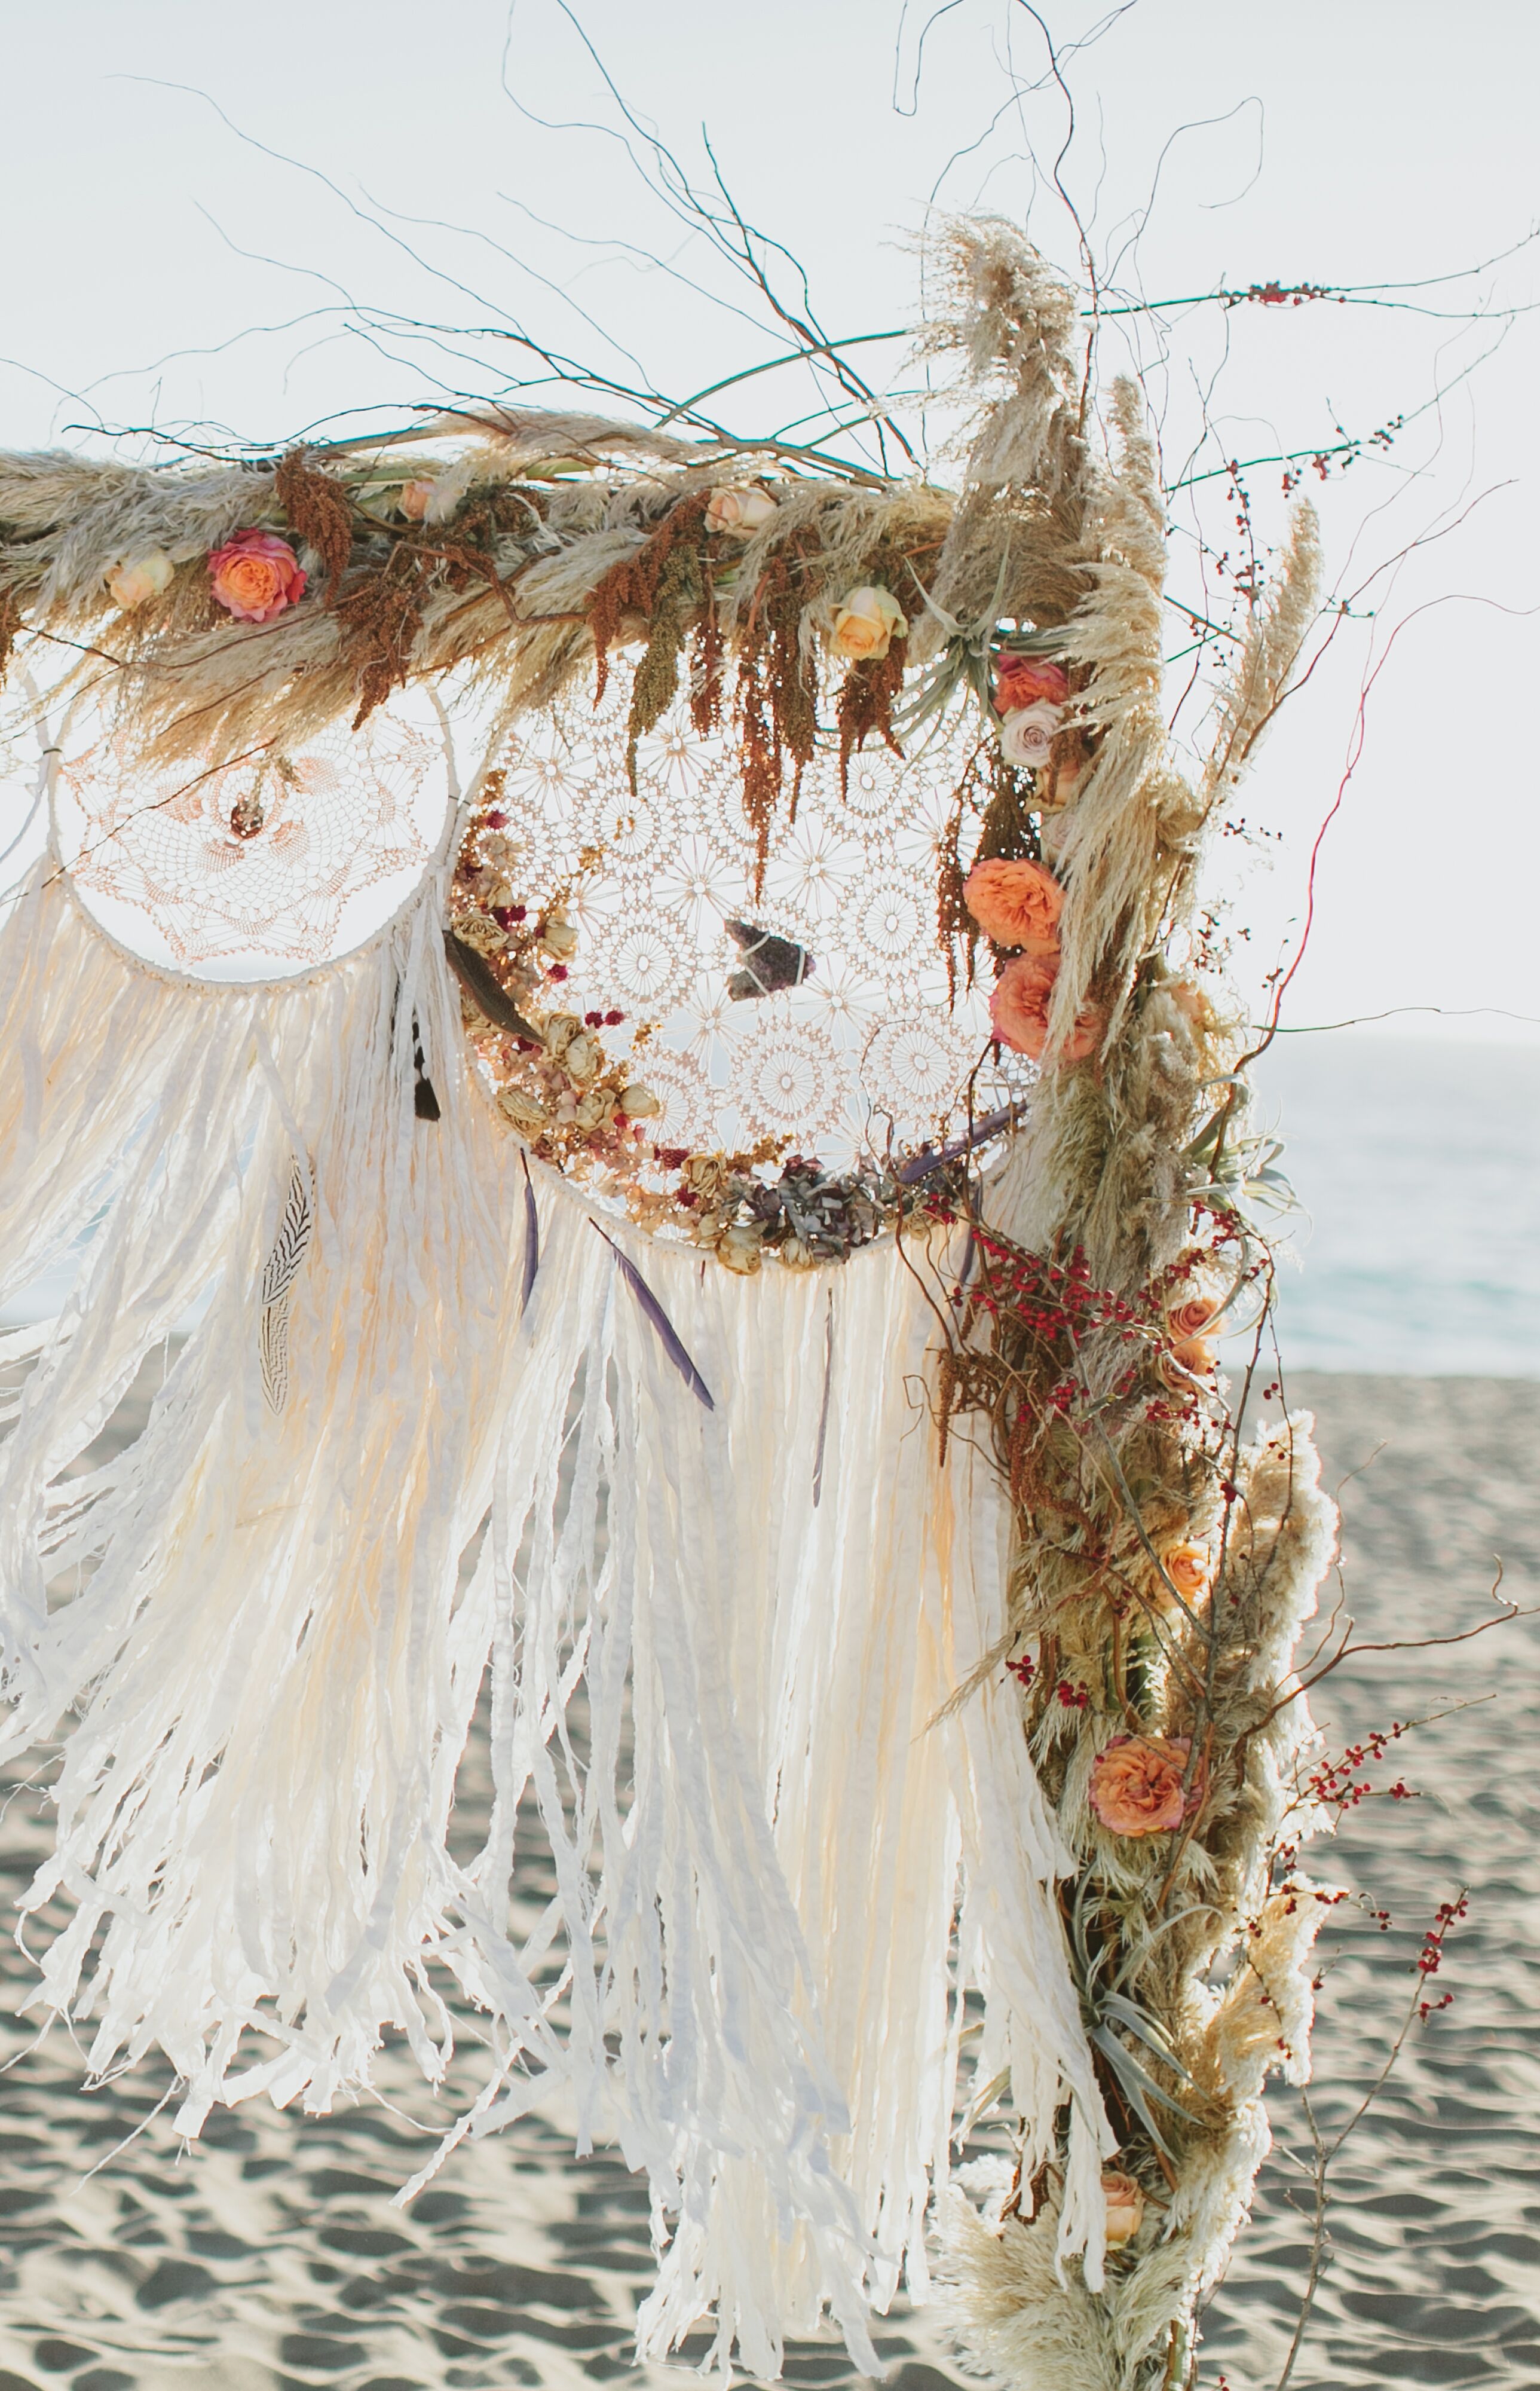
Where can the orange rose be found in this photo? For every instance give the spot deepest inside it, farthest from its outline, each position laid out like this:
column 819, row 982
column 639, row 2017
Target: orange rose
column 1124, row 2198
column 1015, row 904
column 1189, row 1566
column 416, row 498
column 1189, row 1318
column 1137, row 1784
column 1195, row 1358
column 255, row 577
column 1019, row 1010
column 868, row 622
column 1023, row 680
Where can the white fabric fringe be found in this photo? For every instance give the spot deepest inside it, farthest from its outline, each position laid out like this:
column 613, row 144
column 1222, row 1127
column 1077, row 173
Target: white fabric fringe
column 717, row 1638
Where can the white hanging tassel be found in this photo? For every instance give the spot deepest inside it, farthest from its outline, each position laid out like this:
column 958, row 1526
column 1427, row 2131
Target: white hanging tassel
column 716, row 1515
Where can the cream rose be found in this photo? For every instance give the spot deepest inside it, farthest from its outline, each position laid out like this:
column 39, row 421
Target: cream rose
column 1027, row 735
column 1124, row 2199
column 134, row 580
column 868, row 624
column 741, row 511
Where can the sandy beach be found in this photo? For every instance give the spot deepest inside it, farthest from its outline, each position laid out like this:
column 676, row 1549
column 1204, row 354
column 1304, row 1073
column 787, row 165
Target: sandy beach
column 269, row 2256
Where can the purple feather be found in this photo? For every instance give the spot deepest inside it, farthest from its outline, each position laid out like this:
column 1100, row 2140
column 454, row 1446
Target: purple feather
column 921, row 1165
column 668, row 1335
column 532, row 1236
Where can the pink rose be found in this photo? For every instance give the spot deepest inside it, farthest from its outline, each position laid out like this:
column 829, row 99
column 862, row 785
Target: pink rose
column 416, row 498
column 1137, row 1784
column 1016, row 904
column 255, row 577
column 1021, row 682
column 1027, row 736
column 1019, row 1010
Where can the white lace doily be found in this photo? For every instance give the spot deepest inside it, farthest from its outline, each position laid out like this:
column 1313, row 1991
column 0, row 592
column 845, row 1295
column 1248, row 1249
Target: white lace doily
column 867, row 1055
column 263, row 868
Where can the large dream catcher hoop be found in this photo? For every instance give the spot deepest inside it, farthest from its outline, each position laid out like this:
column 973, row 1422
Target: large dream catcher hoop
column 705, row 1249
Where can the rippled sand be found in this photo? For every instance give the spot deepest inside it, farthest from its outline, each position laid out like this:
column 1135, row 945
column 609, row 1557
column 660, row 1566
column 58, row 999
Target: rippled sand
column 269, row 2256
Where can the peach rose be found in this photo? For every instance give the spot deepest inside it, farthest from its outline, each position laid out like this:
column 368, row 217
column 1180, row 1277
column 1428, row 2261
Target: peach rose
column 416, row 498
column 1193, row 1359
column 1021, row 681
column 1189, row 1566
column 1124, row 2199
column 868, row 622
column 1137, row 1784
column 1189, row 1318
column 1027, row 736
column 255, row 577
column 742, row 511
column 1019, row 1010
column 1015, row 904
column 134, row 579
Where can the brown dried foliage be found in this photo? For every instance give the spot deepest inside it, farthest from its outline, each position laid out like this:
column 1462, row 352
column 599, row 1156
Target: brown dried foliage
column 380, row 615
column 10, row 625
column 319, row 514
column 632, row 585
column 778, row 691
column 866, row 703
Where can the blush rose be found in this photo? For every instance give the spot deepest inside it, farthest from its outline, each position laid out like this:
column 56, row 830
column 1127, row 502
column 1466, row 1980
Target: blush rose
column 255, row 577
column 741, row 511
column 1017, row 904
column 1027, row 736
column 1137, row 1784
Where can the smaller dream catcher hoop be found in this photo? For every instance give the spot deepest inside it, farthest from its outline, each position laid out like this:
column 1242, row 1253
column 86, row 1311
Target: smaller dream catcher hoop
column 274, row 862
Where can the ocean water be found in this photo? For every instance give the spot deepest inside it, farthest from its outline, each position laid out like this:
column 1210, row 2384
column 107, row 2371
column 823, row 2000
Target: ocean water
column 1417, row 1164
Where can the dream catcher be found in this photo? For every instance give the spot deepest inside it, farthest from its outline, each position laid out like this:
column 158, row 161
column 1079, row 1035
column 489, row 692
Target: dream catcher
column 608, row 1022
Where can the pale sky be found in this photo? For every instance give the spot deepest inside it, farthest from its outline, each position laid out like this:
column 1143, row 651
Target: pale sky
column 162, row 269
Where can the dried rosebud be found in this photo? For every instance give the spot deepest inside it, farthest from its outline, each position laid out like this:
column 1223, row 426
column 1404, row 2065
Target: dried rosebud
column 582, row 1057
column 739, row 1248
column 558, row 936
column 522, row 1111
column 597, row 1109
column 639, row 1103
